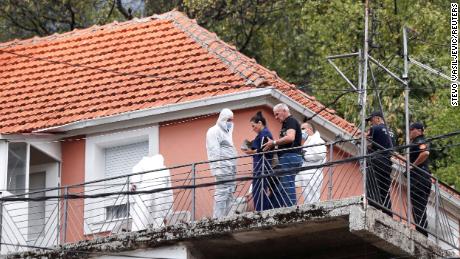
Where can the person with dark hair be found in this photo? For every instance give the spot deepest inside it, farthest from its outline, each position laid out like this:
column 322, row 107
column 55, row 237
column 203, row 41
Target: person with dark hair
column 378, row 180
column 262, row 188
column 420, row 182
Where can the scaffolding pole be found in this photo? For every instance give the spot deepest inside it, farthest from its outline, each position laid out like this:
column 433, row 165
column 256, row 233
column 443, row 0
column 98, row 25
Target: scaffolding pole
column 363, row 99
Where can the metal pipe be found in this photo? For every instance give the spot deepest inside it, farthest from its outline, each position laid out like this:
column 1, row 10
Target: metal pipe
column 429, row 69
column 436, row 210
column 128, row 207
column 1, row 221
column 406, row 112
column 360, row 75
column 64, row 235
column 386, row 69
column 193, row 192
column 347, row 55
column 342, row 74
column 363, row 102
column 331, row 157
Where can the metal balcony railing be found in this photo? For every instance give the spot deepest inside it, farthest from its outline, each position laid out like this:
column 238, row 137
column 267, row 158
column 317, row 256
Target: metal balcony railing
column 185, row 193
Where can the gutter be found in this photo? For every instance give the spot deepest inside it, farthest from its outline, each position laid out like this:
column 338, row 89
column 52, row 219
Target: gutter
column 157, row 110
column 254, row 93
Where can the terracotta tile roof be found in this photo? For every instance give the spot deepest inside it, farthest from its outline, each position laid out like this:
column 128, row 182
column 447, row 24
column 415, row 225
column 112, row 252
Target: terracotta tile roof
column 122, row 67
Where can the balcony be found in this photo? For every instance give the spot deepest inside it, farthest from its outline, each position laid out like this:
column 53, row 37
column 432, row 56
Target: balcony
column 167, row 206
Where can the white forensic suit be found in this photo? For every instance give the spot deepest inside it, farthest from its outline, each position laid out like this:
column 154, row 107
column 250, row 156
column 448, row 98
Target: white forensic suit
column 311, row 180
column 150, row 210
column 219, row 145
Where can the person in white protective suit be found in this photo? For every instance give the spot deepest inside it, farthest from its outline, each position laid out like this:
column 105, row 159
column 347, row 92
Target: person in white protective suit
column 150, row 210
column 219, row 145
column 311, row 180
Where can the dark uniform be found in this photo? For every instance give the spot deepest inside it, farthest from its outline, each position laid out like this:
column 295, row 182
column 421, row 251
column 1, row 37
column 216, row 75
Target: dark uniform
column 289, row 161
column 378, row 179
column 420, row 185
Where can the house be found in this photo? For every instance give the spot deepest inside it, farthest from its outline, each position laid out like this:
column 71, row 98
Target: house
column 80, row 109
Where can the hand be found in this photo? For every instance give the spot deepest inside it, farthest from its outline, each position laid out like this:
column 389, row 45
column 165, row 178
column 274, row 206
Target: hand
column 248, row 151
column 268, row 146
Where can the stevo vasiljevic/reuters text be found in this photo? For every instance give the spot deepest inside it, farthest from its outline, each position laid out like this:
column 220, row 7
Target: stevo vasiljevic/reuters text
column 454, row 54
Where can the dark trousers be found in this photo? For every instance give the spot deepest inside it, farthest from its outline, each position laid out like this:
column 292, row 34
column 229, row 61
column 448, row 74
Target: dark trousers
column 378, row 182
column 289, row 164
column 420, row 188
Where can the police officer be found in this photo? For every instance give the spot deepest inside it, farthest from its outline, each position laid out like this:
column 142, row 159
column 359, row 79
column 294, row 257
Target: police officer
column 378, row 179
column 420, row 182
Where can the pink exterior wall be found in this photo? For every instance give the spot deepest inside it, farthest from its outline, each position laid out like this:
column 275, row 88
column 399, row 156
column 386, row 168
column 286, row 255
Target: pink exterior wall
column 73, row 172
column 184, row 143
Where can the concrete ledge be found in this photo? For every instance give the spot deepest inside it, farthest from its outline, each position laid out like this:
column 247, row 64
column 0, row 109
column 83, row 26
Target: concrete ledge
column 244, row 230
column 392, row 236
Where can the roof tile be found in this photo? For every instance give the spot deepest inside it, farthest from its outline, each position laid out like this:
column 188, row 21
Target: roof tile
column 123, row 67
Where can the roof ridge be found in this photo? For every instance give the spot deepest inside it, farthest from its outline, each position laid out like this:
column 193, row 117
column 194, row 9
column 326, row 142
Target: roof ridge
column 260, row 80
column 235, row 61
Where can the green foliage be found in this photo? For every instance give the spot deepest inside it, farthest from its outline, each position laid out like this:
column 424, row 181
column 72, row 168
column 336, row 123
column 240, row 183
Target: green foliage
column 293, row 38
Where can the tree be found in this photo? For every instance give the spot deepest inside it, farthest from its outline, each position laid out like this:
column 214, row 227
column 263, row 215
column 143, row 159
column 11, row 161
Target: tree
column 27, row 18
column 293, row 38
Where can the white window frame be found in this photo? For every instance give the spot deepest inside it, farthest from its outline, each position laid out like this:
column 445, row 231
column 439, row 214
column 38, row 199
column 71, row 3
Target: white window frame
column 95, row 218
column 18, row 228
column 95, row 145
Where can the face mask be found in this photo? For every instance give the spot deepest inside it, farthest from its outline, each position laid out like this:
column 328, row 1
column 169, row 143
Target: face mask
column 304, row 135
column 229, row 125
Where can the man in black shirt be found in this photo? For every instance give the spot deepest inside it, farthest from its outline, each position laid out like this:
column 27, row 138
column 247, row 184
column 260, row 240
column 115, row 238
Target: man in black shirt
column 290, row 160
column 378, row 180
column 420, row 181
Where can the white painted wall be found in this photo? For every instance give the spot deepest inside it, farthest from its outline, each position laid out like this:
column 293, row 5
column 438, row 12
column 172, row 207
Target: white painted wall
column 94, row 213
column 172, row 252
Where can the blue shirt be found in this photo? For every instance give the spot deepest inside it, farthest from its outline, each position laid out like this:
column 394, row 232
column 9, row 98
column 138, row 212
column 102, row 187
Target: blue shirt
column 261, row 138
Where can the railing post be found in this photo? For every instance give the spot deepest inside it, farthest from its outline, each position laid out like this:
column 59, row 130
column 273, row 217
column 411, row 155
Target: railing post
column 408, row 189
column 66, row 200
column 128, row 205
column 193, row 191
column 436, row 210
column 400, row 186
column 331, row 157
column 1, row 220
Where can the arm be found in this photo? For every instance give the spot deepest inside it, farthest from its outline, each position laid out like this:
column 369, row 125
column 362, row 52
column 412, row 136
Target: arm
column 369, row 138
column 422, row 156
column 249, row 151
column 289, row 138
column 213, row 148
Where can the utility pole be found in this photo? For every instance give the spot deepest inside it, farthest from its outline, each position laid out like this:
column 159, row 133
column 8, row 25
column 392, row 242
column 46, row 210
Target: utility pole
column 363, row 99
column 405, row 78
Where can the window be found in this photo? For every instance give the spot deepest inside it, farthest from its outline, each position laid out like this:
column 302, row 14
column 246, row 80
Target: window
column 120, row 160
column 109, row 155
column 116, row 212
column 17, row 167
